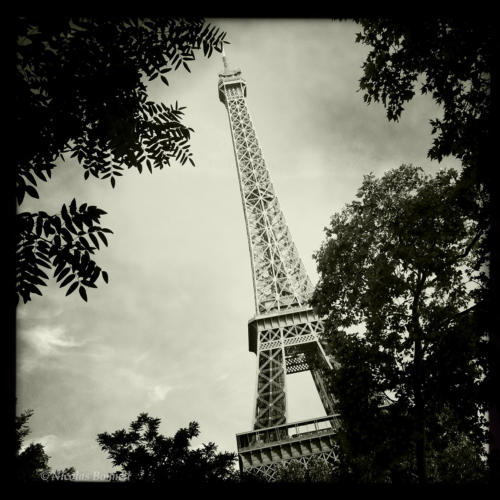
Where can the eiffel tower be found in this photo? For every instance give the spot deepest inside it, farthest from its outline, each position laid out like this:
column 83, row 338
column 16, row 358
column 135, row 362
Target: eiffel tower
column 285, row 332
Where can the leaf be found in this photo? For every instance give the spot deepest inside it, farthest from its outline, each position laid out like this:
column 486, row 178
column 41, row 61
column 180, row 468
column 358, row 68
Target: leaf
column 64, row 213
column 59, row 267
column 63, row 274
column 56, row 222
column 95, row 274
column 39, row 226
column 77, row 221
column 72, row 288
column 70, row 278
column 40, row 272
column 30, row 178
column 20, row 194
column 94, row 240
column 40, row 175
column 67, row 220
column 105, row 276
column 40, row 262
column 83, row 293
column 35, row 279
column 47, row 227
column 34, row 289
column 85, row 260
column 66, row 235
column 32, row 191
column 103, row 238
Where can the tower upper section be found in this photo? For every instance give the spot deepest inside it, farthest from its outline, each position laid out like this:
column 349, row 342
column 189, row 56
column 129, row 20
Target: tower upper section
column 231, row 83
column 279, row 277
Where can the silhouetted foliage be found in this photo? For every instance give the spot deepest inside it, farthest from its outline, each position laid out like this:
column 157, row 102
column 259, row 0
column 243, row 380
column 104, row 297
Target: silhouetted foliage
column 403, row 279
column 316, row 471
column 32, row 463
column 144, row 455
column 456, row 61
column 81, row 93
column 452, row 59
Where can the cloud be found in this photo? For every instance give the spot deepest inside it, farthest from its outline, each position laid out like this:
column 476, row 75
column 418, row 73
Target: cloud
column 42, row 342
column 155, row 391
column 51, row 340
column 158, row 393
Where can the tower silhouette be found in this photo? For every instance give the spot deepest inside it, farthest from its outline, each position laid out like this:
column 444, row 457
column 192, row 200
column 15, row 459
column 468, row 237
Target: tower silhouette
column 285, row 331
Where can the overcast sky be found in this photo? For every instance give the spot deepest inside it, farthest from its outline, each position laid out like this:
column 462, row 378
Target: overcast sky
column 168, row 334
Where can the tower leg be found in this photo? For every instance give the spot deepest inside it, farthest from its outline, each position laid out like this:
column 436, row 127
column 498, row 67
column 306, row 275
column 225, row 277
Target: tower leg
column 271, row 395
column 324, row 394
column 320, row 367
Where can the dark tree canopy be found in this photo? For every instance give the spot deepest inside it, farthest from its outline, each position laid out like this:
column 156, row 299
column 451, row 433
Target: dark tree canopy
column 81, row 92
column 403, row 278
column 452, row 60
column 316, row 471
column 144, row 455
column 455, row 60
column 32, row 461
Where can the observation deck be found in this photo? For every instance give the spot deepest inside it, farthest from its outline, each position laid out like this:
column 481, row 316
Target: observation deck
column 262, row 450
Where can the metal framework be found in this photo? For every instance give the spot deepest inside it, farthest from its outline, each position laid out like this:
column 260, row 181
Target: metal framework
column 285, row 332
column 263, row 450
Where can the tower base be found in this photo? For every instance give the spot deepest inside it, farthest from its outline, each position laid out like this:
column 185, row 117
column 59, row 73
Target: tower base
column 263, row 451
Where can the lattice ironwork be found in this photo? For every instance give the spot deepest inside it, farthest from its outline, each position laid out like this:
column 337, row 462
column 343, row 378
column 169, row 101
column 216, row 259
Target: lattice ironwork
column 285, row 333
column 264, row 451
column 271, row 398
column 269, row 472
column 279, row 277
column 285, row 344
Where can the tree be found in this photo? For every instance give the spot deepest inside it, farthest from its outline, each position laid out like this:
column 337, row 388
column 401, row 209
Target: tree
column 81, row 93
column 144, row 455
column 456, row 61
column 453, row 60
column 456, row 457
column 316, row 471
column 32, row 462
column 402, row 283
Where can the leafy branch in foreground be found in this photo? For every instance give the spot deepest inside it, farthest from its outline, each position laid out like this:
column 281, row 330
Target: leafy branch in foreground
column 81, row 92
column 63, row 243
column 450, row 59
